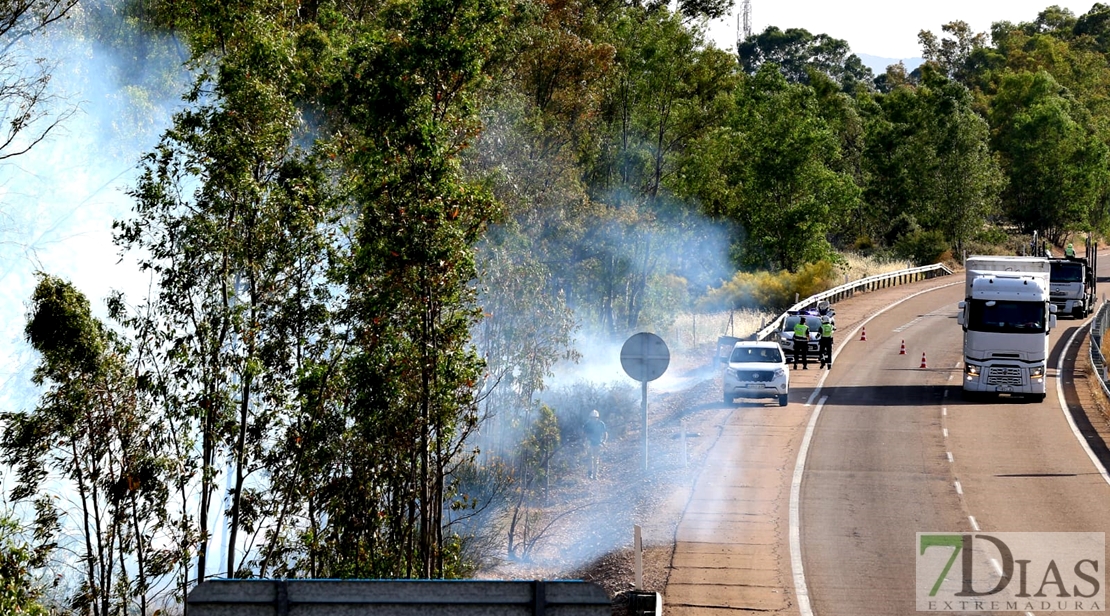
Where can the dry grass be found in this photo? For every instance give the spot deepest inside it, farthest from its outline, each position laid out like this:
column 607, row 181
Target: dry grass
column 856, row 266
column 693, row 330
column 689, row 331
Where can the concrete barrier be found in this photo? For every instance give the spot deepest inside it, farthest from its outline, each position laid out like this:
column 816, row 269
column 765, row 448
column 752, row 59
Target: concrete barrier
column 397, row 598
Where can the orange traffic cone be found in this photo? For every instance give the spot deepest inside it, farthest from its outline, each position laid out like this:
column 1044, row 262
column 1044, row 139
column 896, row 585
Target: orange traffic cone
column 902, row 351
column 863, row 334
column 923, row 360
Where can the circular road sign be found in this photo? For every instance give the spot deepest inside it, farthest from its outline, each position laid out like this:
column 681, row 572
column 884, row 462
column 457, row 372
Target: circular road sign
column 645, row 357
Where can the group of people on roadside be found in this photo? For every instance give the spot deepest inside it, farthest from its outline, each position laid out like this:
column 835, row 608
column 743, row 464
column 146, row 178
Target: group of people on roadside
column 824, row 339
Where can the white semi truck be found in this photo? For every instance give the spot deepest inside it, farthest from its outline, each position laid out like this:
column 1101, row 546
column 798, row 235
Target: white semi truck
column 1006, row 316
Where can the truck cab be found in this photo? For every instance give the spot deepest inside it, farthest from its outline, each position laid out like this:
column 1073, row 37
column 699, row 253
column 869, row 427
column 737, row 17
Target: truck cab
column 1072, row 282
column 1006, row 318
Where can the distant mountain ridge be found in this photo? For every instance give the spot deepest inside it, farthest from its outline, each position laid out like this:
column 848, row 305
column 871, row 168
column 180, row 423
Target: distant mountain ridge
column 878, row 64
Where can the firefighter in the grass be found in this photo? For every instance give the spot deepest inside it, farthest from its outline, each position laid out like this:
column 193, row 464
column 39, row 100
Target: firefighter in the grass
column 826, row 342
column 801, row 343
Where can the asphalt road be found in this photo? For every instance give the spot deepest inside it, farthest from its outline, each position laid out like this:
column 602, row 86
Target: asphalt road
column 896, row 451
column 890, row 450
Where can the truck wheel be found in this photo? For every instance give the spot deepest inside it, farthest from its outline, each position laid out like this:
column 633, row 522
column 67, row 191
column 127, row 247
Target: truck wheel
column 970, row 396
column 1037, row 398
column 1079, row 312
column 783, row 399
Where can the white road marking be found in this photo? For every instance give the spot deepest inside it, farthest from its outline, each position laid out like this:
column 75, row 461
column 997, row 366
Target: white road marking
column 910, row 324
column 800, row 588
column 959, row 488
column 974, row 524
column 945, row 431
column 852, row 334
column 944, row 410
column 949, row 456
column 1067, row 413
column 916, row 321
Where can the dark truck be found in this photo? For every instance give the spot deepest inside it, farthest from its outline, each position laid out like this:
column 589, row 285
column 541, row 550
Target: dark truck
column 1072, row 282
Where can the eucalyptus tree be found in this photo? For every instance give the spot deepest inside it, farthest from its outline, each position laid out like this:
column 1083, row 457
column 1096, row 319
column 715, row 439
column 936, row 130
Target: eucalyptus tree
column 798, row 53
column 665, row 90
column 1056, row 166
column 1071, row 50
column 20, row 590
column 928, row 157
column 955, row 56
column 88, row 441
column 404, row 100
column 29, row 112
column 1095, row 25
column 773, row 172
column 227, row 219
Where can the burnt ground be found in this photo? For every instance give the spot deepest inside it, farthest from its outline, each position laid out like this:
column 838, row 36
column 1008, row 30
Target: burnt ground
column 598, row 515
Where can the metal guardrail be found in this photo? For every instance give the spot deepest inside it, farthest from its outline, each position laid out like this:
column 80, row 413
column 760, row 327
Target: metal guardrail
column 871, row 283
column 1098, row 330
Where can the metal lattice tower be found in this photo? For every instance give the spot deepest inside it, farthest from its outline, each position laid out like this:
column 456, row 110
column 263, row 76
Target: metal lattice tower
column 746, row 11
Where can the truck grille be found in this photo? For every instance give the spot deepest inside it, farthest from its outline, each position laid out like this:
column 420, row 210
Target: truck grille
column 1004, row 375
column 762, row 376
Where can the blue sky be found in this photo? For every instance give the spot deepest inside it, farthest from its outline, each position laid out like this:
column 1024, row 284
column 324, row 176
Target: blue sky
column 882, row 28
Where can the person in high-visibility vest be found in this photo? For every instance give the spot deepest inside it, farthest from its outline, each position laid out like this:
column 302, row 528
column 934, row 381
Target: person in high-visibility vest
column 826, row 342
column 801, row 343
column 1069, row 251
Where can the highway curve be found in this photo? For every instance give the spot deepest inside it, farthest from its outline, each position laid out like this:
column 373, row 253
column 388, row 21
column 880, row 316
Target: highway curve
column 894, row 451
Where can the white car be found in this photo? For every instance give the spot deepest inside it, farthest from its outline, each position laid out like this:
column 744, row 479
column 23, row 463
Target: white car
column 757, row 370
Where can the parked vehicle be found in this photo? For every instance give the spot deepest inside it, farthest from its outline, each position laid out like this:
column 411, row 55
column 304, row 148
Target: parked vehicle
column 756, row 370
column 1006, row 316
column 786, row 334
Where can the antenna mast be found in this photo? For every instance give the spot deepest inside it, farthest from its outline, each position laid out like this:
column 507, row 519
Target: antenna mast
column 747, row 13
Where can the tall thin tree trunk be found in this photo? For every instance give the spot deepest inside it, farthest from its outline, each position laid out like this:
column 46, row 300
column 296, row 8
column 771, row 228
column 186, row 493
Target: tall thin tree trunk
column 207, row 447
column 90, row 562
column 425, row 427
column 140, row 555
column 240, row 463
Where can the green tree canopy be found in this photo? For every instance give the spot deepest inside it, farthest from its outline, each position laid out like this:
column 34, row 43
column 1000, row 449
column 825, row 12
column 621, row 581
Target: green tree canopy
column 1055, row 164
column 928, row 157
column 771, row 172
column 797, row 52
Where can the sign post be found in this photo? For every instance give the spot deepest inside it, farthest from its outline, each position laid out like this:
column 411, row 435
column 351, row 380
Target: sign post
column 645, row 357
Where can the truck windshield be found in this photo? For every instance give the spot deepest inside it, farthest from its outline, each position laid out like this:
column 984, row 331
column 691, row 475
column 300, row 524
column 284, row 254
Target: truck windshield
column 1006, row 317
column 1066, row 272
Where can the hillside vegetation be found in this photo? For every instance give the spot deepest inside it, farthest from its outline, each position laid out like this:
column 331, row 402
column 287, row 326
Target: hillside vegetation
column 375, row 228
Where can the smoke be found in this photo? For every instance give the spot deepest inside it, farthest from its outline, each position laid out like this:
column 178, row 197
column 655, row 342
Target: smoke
column 58, row 201
column 686, row 255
